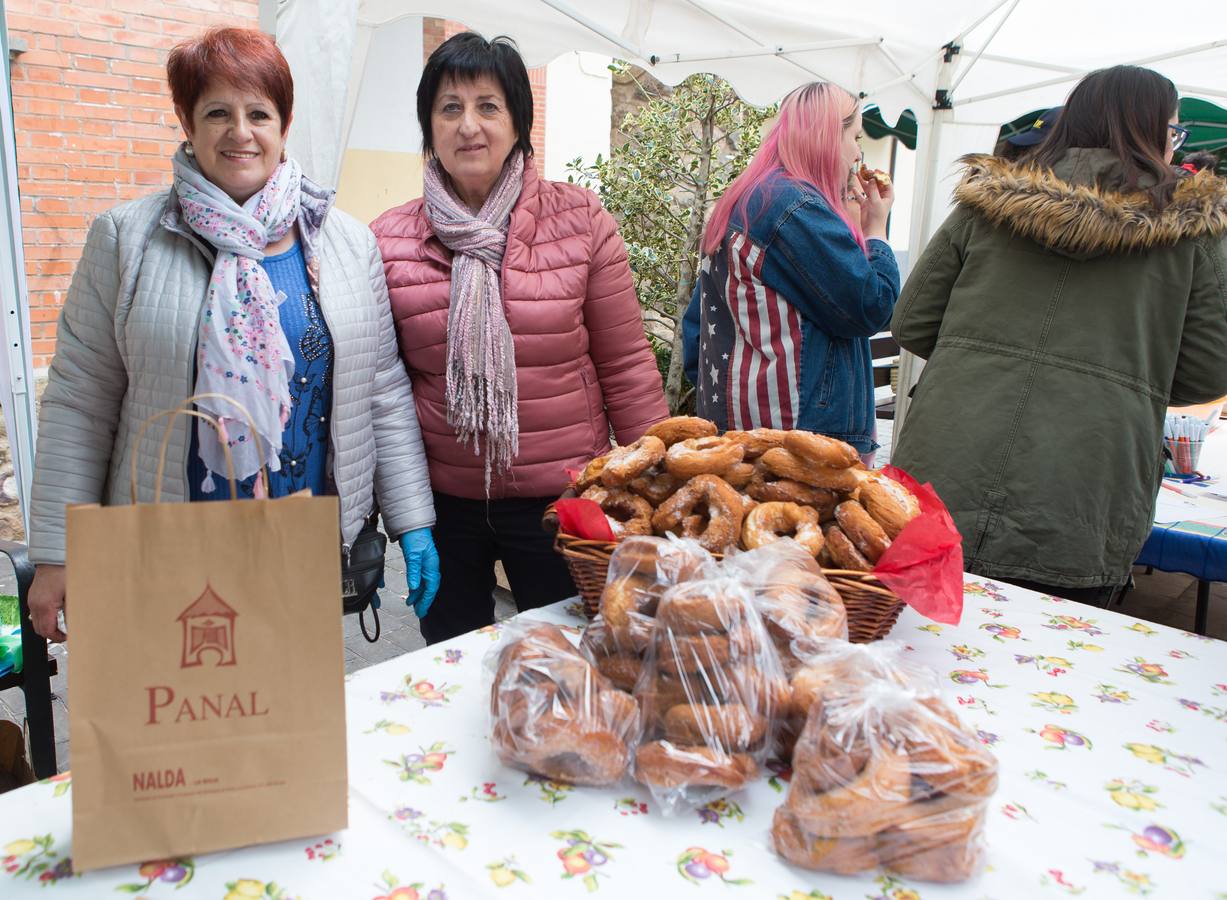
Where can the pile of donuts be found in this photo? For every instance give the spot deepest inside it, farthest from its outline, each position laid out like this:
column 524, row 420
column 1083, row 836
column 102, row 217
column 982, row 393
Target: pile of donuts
column 555, row 715
column 697, row 671
column 884, row 773
column 748, row 488
column 710, row 690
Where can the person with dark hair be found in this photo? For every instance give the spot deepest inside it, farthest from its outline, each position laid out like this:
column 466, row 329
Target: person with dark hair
column 1199, row 161
column 239, row 281
column 519, row 325
column 1063, row 305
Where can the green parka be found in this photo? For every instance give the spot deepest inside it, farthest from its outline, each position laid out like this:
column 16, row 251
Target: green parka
column 1060, row 317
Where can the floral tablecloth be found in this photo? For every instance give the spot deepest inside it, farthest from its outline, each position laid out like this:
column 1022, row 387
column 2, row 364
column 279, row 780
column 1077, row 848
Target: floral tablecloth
column 1111, row 733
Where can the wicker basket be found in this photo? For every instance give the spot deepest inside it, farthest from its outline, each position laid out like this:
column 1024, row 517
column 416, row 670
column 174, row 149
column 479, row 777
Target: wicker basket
column 872, row 609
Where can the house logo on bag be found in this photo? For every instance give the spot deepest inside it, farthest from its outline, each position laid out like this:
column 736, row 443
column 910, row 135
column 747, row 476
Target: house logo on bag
column 208, row 631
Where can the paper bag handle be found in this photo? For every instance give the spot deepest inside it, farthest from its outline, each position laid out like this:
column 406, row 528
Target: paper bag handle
column 170, row 414
column 183, row 409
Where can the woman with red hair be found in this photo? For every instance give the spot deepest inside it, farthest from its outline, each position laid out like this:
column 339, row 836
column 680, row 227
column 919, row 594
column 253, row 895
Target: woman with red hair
column 796, row 277
column 240, row 281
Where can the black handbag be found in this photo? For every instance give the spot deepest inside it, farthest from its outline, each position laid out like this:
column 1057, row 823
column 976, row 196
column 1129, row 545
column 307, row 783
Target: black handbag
column 361, row 573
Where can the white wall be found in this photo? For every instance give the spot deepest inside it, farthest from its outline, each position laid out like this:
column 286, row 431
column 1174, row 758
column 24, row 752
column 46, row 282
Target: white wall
column 578, row 106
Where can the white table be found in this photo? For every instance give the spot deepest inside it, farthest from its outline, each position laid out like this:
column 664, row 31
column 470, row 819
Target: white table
column 1110, row 734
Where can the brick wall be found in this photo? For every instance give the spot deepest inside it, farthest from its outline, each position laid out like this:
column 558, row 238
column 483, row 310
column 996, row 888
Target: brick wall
column 436, row 31
column 94, row 123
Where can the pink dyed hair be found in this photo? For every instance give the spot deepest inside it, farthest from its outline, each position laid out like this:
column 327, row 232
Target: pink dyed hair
column 805, row 143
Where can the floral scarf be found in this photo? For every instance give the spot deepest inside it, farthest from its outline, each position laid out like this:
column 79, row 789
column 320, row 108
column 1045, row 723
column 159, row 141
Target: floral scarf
column 241, row 351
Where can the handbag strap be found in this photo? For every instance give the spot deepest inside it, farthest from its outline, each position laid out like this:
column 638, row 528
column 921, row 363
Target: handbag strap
column 362, row 623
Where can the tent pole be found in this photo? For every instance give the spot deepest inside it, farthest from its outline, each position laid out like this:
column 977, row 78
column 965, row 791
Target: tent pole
column 975, row 59
column 929, row 140
column 16, row 372
column 597, row 29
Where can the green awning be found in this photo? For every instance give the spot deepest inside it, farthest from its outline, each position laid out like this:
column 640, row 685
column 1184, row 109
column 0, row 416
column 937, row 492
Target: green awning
column 875, row 126
column 1207, row 124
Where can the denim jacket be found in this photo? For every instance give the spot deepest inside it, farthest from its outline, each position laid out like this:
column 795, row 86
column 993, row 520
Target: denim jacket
column 777, row 331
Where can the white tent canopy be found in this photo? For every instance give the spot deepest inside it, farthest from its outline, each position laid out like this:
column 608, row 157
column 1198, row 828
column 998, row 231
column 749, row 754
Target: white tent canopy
column 962, row 69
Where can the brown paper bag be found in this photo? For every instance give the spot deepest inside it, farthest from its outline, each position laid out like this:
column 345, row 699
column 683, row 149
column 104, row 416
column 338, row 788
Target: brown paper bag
column 206, row 699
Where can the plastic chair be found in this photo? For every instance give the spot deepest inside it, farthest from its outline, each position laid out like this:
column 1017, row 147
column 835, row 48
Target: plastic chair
column 35, row 677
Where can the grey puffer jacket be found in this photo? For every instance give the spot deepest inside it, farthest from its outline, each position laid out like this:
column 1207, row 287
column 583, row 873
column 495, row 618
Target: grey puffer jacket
column 127, row 347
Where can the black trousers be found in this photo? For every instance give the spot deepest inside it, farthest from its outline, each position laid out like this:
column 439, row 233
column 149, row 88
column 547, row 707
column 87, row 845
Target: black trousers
column 470, row 536
column 1095, row 596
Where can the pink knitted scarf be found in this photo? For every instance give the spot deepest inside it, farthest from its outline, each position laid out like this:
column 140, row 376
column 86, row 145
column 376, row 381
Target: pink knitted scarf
column 481, row 364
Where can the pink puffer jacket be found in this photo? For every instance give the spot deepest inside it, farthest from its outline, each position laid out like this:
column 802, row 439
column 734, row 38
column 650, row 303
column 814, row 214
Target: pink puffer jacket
column 582, row 360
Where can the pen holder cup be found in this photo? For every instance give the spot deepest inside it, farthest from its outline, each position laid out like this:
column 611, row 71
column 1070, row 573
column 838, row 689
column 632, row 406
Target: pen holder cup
column 1185, row 454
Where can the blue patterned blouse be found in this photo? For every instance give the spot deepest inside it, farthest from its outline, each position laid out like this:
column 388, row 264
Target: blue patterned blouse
column 304, row 443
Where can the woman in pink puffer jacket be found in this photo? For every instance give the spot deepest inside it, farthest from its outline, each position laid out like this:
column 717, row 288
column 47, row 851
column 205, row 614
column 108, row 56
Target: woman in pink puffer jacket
column 518, row 323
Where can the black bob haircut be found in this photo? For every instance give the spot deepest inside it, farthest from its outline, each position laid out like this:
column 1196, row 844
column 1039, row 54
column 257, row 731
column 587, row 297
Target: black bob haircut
column 466, row 57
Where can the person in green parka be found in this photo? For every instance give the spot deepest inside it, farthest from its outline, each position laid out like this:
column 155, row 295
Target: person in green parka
column 1065, row 303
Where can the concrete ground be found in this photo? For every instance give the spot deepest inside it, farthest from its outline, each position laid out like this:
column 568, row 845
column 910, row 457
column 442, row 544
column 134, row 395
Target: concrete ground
column 1163, row 597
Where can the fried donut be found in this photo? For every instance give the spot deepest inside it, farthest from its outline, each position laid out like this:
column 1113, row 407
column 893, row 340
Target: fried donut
column 627, row 514
column 869, row 803
column 564, row 750
column 591, row 474
column 678, row 654
column 843, row 552
column 868, row 174
column 681, row 428
column 940, row 846
column 820, row 450
column 890, row 504
column 861, row 528
column 769, row 522
column 739, row 475
column 843, row 856
column 660, row 764
column 758, row 441
column 702, row 456
column 655, row 488
column 730, row 726
column 629, row 462
column 785, row 464
column 622, row 669
column 802, row 620
column 766, row 488
column 709, row 494
column 691, row 610
column 946, row 760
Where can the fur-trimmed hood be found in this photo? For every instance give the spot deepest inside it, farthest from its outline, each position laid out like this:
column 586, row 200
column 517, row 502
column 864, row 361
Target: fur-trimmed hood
column 1072, row 210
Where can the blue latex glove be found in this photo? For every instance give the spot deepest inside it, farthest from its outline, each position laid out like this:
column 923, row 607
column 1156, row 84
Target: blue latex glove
column 421, row 569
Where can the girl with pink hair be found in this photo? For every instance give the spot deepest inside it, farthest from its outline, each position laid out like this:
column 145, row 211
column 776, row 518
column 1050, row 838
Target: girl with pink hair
column 796, row 277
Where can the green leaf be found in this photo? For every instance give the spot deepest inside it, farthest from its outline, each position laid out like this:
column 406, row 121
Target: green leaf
column 132, row 888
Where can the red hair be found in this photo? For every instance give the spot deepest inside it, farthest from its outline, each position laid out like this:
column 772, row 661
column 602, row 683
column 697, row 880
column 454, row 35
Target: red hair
column 246, row 58
column 805, row 143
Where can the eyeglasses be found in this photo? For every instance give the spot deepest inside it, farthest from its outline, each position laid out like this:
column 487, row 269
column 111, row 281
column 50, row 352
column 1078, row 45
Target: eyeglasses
column 1180, row 134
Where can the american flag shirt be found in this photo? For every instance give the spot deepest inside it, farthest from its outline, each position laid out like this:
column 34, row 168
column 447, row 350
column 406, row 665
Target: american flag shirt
column 777, row 333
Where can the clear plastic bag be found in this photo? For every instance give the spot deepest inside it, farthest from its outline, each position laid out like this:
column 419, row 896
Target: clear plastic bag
column 711, row 691
column 797, row 603
column 885, row 775
column 552, row 713
column 641, row 569
column 832, row 666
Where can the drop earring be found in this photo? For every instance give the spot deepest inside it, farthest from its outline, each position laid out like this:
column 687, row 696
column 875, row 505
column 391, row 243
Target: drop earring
column 188, row 149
